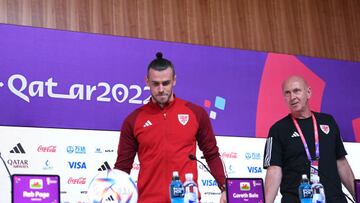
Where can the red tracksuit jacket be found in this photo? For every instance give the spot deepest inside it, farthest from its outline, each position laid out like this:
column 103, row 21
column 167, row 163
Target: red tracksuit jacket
column 164, row 138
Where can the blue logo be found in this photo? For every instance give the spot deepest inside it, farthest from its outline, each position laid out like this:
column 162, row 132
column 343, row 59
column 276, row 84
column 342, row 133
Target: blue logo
column 209, row 182
column 230, row 170
column 254, row 169
column 76, row 149
column 253, row 155
column 77, row 165
column 48, row 165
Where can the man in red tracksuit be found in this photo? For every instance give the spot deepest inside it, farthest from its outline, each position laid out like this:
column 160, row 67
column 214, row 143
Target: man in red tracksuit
column 164, row 133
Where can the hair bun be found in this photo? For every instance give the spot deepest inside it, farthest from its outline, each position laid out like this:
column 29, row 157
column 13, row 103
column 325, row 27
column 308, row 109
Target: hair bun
column 159, row 55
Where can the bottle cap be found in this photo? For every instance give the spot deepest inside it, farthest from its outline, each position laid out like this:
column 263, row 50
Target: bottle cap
column 304, row 176
column 188, row 176
column 175, row 174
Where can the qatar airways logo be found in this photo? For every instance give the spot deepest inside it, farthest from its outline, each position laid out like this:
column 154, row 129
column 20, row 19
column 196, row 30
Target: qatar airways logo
column 51, row 148
column 18, row 163
column 77, row 181
column 229, row 155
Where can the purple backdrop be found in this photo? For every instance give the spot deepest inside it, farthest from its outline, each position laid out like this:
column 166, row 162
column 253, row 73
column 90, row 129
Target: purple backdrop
column 62, row 79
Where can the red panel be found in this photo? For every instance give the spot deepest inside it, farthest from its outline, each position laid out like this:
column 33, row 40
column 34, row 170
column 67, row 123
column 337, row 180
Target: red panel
column 271, row 103
column 356, row 127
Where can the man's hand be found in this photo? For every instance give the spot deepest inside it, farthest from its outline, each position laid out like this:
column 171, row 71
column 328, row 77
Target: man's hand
column 223, row 197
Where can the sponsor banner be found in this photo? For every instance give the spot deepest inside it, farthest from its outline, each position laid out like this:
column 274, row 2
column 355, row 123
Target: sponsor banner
column 46, row 151
column 62, row 79
column 242, row 157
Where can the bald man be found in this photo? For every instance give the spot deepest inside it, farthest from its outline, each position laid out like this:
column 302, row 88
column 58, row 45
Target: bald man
column 300, row 142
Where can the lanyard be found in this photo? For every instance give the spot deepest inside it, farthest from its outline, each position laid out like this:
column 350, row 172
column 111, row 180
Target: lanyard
column 316, row 134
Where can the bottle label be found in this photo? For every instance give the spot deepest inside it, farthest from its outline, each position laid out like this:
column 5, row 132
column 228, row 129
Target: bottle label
column 178, row 192
column 319, row 193
column 307, row 193
column 191, row 192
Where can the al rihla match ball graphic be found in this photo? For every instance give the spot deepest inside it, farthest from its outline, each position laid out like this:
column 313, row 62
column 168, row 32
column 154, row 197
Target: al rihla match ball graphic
column 112, row 186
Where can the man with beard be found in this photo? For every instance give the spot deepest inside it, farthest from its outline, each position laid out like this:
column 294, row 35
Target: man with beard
column 164, row 133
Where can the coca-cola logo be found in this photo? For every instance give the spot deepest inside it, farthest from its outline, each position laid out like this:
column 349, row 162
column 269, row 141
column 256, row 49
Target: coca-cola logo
column 229, row 155
column 136, row 166
column 51, row 148
column 77, row 181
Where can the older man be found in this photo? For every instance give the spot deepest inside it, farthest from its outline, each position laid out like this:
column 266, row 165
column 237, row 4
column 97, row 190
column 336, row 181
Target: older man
column 301, row 142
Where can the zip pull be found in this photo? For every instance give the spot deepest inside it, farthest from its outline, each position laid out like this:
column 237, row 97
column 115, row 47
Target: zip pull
column 164, row 115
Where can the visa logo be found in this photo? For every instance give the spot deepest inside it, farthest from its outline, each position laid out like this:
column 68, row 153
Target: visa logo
column 77, row 165
column 209, row 182
column 253, row 169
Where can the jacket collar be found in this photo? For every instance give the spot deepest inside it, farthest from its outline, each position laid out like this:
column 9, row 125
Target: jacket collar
column 155, row 105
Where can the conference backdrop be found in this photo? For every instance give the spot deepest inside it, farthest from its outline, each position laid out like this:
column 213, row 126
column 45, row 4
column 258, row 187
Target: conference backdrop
column 58, row 81
column 65, row 79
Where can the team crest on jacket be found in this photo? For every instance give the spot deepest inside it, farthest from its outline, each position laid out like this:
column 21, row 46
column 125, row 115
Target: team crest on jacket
column 325, row 129
column 183, row 118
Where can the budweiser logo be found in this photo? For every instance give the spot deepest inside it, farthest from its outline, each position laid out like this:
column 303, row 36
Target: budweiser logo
column 229, row 155
column 50, row 148
column 78, row 181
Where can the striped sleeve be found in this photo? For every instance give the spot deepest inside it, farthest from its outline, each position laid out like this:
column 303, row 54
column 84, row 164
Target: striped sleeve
column 273, row 149
column 267, row 153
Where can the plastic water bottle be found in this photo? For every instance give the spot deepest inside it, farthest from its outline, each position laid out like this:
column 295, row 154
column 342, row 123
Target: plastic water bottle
column 191, row 189
column 176, row 189
column 318, row 191
column 305, row 190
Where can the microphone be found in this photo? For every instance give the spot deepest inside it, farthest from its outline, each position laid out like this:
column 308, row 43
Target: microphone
column 225, row 170
column 193, row 158
column 7, row 169
column 329, row 180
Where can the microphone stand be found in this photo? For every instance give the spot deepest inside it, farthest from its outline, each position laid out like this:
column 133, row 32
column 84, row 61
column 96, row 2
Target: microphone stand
column 7, row 169
column 222, row 161
column 193, row 158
